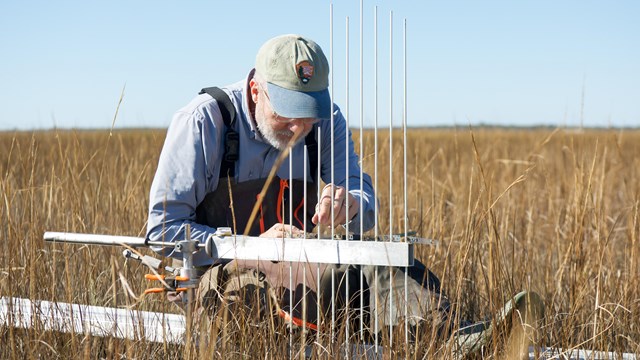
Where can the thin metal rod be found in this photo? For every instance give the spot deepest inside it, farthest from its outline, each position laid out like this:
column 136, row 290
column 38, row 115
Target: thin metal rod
column 319, row 174
column 391, row 293
column 106, row 240
column 319, row 292
column 361, row 292
column 290, row 312
column 347, row 116
column 404, row 128
column 346, row 154
column 333, row 303
column 333, row 287
column 375, row 162
column 406, row 219
column 332, row 115
column 290, row 266
column 304, row 236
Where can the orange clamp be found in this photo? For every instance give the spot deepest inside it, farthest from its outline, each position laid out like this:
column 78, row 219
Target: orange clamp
column 160, row 290
column 152, row 277
column 154, row 290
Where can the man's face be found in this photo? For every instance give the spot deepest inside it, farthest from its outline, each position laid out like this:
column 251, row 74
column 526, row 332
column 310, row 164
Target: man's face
column 276, row 130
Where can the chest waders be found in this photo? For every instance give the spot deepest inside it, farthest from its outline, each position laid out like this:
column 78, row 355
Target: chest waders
column 231, row 204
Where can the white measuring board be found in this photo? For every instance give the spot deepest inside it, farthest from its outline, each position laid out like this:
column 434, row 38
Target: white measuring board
column 94, row 320
column 325, row 251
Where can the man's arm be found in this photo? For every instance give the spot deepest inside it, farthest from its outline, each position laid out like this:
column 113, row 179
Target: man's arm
column 340, row 161
column 188, row 162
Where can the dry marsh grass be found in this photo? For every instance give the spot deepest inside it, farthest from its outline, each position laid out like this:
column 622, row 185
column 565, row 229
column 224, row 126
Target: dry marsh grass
column 555, row 212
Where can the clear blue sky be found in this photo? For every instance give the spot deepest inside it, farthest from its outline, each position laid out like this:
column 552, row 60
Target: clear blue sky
column 508, row 62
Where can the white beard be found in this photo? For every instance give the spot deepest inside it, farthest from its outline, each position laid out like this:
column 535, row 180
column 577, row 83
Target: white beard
column 278, row 139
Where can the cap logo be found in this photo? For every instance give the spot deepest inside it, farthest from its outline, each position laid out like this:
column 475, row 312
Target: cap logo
column 305, row 71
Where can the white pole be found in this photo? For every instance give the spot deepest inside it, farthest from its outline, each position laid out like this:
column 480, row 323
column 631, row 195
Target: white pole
column 346, row 154
column 404, row 140
column 304, row 236
column 333, row 287
column 360, row 290
column 319, row 321
column 375, row 162
column 290, row 266
column 391, row 169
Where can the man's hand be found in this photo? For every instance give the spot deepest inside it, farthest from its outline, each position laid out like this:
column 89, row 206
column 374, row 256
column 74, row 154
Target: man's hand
column 282, row 231
column 340, row 201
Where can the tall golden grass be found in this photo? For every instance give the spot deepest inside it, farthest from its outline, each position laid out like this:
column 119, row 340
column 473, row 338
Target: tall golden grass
column 555, row 212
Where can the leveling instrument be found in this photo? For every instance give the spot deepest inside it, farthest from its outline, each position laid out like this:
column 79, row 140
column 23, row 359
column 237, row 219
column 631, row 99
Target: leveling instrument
column 224, row 245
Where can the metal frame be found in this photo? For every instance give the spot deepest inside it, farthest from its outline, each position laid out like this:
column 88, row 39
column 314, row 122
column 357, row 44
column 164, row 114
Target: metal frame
column 326, row 251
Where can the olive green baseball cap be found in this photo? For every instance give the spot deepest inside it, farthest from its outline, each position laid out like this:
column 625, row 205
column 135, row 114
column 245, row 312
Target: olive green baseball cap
column 297, row 76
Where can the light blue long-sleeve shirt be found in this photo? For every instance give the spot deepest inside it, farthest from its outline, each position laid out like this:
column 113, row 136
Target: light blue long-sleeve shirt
column 191, row 157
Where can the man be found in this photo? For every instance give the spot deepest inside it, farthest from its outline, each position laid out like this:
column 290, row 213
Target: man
column 283, row 102
column 285, row 96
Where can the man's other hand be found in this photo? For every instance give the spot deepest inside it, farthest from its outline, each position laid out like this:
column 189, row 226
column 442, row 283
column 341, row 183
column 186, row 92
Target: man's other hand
column 281, row 231
column 343, row 205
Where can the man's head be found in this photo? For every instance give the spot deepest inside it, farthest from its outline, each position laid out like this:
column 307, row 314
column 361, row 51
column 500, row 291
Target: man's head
column 290, row 88
column 297, row 76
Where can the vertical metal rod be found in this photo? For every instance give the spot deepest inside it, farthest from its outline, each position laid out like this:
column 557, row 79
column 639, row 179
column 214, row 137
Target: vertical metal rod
column 390, row 171
column 319, row 320
column 360, row 290
column 290, row 187
column 332, row 119
column 319, row 174
column 304, row 264
column 375, row 163
column 290, row 265
column 333, row 273
column 333, row 303
column 404, row 126
column 346, row 169
column 406, row 219
column 290, row 312
column 347, row 115
column 187, row 270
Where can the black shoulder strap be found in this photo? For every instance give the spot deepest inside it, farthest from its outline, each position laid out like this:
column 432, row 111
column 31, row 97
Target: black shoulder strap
column 312, row 149
column 224, row 103
column 231, row 138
